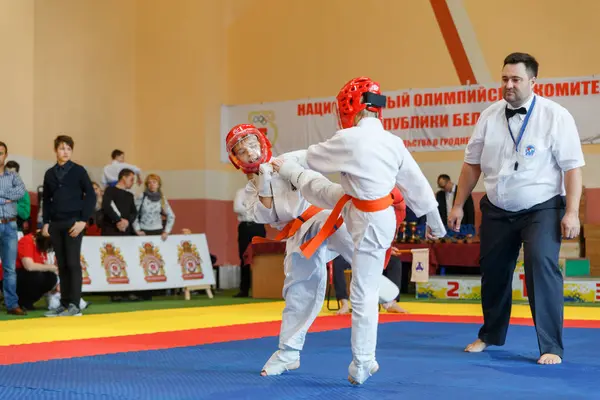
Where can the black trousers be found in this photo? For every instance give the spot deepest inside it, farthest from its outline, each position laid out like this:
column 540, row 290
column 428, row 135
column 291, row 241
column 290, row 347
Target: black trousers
column 246, row 231
column 339, row 279
column 32, row 285
column 393, row 272
column 502, row 233
column 67, row 250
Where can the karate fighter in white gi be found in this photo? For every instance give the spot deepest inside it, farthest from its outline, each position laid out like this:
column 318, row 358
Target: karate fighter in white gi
column 371, row 162
column 272, row 200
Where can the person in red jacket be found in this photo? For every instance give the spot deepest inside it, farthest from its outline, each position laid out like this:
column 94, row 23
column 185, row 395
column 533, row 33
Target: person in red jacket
column 36, row 273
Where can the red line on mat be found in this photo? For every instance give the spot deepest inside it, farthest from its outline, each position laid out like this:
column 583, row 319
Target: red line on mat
column 17, row 354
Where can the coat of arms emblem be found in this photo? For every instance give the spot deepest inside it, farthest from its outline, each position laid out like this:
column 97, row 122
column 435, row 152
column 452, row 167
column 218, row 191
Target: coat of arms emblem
column 114, row 264
column 152, row 262
column 189, row 260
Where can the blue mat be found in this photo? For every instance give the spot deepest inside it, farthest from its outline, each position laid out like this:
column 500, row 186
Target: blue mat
column 418, row 361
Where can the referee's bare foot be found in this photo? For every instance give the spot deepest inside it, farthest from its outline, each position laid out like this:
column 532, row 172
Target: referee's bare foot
column 476, row 347
column 344, row 308
column 547, row 359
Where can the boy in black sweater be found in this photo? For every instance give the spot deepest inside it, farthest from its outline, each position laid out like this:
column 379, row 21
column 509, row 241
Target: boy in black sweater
column 118, row 206
column 68, row 202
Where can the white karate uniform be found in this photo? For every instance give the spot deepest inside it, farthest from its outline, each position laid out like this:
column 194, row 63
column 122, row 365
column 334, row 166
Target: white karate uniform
column 305, row 279
column 371, row 162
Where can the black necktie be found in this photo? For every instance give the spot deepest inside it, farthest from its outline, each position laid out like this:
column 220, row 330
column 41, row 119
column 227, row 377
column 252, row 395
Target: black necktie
column 511, row 113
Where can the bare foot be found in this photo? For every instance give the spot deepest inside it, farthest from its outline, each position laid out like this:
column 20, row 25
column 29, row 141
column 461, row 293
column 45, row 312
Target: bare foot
column 394, row 307
column 344, row 308
column 476, row 347
column 548, row 359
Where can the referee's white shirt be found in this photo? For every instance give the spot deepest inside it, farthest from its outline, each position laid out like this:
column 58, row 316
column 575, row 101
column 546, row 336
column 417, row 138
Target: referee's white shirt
column 549, row 147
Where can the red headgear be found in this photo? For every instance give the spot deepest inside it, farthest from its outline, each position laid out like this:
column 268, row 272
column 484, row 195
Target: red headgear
column 237, row 134
column 349, row 99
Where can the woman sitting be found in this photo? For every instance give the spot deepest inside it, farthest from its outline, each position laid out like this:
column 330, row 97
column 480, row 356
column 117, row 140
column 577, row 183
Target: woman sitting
column 36, row 273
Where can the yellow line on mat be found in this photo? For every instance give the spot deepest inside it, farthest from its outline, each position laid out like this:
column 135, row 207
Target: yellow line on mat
column 39, row 330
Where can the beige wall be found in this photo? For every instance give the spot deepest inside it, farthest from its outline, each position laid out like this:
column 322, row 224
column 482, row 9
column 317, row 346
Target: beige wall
column 180, row 82
column 291, row 50
column 555, row 31
column 67, row 66
column 16, row 73
column 84, row 77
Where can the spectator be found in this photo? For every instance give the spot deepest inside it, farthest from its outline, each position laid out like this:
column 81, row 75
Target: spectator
column 445, row 198
column 24, row 204
column 68, row 201
column 151, row 206
column 12, row 190
column 112, row 170
column 37, row 272
column 98, row 209
column 119, row 213
column 118, row 206
column 247, row 229
column 36, row 275
column 95, row 222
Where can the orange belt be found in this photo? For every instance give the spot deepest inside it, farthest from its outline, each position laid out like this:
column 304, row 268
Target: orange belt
column 291, row 228
column 334, row 220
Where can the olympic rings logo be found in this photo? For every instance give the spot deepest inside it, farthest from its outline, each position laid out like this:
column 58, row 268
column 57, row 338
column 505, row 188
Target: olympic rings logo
column 259, row 119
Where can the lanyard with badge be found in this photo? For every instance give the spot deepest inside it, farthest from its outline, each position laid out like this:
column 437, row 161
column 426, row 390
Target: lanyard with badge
column 525, row 122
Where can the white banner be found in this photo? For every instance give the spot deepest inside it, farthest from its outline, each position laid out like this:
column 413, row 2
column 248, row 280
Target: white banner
column 426, row 119
column 112, row 264
column 575, row 290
